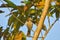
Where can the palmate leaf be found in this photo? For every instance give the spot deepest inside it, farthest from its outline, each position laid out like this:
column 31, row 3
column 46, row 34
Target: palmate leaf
column 11, row 4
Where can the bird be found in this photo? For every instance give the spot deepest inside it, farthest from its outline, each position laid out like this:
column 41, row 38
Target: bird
column 29, row 25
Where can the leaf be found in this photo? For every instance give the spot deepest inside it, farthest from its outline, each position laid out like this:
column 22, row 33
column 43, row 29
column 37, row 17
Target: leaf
column 1, row 32
column 50, row 14
column 20, row 36
column 0, row 29
column 32, row 11
column 25, row 2
column 11, row 4
column 5, row 5
column 57, row 13
column 1, row 11
column 12, row 18
column 51, row 11
column 22, row 18
column 16, row 25
column 39, row 5
column 44, row 27
column 58, row 0
column 6, row 31
column 58, row 3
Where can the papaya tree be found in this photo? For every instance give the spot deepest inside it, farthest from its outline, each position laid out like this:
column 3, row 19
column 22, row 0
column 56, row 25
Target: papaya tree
column 32, row 12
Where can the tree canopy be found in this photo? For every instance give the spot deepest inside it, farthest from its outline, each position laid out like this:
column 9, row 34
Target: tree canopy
column 20, row 13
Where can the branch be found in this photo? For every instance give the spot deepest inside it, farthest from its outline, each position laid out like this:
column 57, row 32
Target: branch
column 46, row 32
column 43, row 16
column 48, row 20
column 32, row 36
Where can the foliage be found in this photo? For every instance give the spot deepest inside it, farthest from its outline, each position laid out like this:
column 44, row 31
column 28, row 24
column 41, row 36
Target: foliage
column 1, row 11
column 18, row 18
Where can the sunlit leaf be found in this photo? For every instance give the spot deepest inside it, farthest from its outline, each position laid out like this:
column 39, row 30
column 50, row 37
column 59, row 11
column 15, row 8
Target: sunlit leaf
column 50, row 14
column 20, row 36
column 58, row 3
column 32, row 11
column 39, row 5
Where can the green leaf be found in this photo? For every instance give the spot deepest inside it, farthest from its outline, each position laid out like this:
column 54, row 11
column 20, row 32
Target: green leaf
column 6, row 31
column 44, row 27
column 22, row 18
column 50, row 14
column 1, row 33
column 12, row 18
column 32, row 11
column 57, row 13
column 58, row 0
column 25, row 2
column 5, row 5
column 11, row 4
column 16, row 25
column 1, row 11
column 24, row 36
column 0, row 29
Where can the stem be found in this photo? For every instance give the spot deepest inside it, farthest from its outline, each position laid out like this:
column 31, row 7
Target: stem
column 43, row 16
column 48, row 20
column 46, row 32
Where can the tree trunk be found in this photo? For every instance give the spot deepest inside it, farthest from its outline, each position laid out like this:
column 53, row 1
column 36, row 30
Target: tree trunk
column 43, row 16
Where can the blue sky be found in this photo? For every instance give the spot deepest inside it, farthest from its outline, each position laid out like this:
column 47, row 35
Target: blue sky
column 54, row 33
